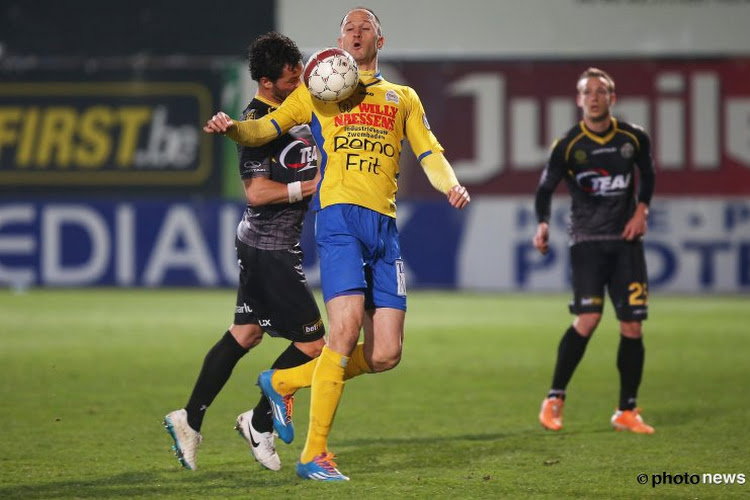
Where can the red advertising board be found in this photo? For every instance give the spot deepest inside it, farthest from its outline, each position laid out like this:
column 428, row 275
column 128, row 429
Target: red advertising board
column 498, row 119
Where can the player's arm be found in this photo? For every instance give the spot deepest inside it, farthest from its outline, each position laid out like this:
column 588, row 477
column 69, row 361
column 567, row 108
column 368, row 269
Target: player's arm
column 637, row 225
column 263, row 191
column 551, row 177
column 247, row 132
column 255, row 171
column 433, row 161
column 293, row 111
column 443, row 178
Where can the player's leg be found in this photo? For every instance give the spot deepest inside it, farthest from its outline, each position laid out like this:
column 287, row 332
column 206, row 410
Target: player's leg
column 295, row 316
column 291, row 312
column 385, row 302
column 571, row 349
column 345, row 236
column 217, row 368
column 382, row 351
column 184, row 425
column 288, row 381
column 280, row 384
column 629, row 293
column 256, row 426
column 589, row 275
column 294, row 367
column 385, row 298
column 218, row 364
column 630, row 360
column 345, row 317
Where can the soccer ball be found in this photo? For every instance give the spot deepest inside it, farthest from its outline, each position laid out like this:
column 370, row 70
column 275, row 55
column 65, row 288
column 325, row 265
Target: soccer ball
column 331, row 75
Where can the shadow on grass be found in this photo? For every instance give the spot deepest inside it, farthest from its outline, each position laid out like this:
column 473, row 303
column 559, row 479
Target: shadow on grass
column 363, row 457
column 368, row 456
column 417, row 440
column 169, row 483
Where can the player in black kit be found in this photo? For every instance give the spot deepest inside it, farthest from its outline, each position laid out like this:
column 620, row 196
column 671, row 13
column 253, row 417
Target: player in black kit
column 598, row 158
column 273, row 296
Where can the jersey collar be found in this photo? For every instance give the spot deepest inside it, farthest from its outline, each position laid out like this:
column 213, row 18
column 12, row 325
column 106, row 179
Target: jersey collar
column 270, row 103
column 601, row 139
column 370, row 77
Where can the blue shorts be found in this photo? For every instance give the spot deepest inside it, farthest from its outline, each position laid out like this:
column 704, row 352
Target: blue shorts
column 360, row 254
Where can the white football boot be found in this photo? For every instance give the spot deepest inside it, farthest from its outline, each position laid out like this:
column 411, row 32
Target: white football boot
column 186, row 439
column 261, row 443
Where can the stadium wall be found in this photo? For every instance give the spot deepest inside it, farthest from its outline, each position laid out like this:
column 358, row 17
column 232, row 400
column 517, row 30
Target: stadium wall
column 106, row 178
column 529, row 29
column 693, row 246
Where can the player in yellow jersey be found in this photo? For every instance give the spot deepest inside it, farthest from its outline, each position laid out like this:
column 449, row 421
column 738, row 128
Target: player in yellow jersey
column 362, row 274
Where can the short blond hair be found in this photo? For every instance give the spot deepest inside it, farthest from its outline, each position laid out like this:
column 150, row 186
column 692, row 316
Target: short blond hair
column 372, row 13
column 597, row 73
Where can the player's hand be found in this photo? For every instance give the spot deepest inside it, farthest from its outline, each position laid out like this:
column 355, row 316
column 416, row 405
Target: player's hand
column 636, row 226
column 218, row 124
column 310, row 187
column 541, row 238
column 458, row 197
column 317, row 177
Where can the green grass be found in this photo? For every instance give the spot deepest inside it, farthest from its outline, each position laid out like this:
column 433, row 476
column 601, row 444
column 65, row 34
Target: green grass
column 86, row 377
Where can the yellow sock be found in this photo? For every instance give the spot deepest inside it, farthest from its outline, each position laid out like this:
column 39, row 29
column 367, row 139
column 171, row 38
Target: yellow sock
column 288, row 380
column 357, row 364
column 327, row 386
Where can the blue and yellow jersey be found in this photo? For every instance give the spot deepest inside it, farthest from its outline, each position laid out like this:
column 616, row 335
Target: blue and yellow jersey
column 359, row 139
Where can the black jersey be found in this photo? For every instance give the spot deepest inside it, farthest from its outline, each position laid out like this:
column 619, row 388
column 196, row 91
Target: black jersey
column 599, row 170
column 289, row 158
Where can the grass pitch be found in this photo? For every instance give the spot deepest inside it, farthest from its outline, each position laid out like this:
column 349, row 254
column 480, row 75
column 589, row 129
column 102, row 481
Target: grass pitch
column 86, row 377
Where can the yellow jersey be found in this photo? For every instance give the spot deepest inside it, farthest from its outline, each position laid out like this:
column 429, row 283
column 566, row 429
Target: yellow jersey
column 359, row 139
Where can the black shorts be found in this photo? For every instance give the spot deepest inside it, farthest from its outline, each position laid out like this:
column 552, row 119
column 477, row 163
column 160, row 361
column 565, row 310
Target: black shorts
column 617, row 264
column 274, row 294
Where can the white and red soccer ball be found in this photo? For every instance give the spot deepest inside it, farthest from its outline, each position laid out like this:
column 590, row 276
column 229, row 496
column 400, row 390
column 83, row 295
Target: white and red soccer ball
column 331, row 74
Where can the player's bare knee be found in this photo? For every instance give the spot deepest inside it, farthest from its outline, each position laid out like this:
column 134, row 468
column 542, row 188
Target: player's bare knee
column 312, row 349
column 585, row 324
column 383, row 363
column 248, row 336
column 631, row 329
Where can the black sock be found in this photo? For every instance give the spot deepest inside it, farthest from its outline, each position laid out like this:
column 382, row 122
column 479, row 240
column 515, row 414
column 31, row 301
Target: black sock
column 630, row 357
column 569, row 354
column 217, row 367
column 292, row 356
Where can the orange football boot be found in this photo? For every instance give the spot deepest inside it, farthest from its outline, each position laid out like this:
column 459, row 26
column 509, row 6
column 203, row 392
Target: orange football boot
column 630, row 420
column 550, row 416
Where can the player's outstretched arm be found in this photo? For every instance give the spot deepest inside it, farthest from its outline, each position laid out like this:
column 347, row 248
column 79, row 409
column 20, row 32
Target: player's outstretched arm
column 218, row 124
column 246, row 132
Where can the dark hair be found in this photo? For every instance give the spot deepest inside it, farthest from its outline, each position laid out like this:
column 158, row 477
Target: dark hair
column 269, row 54
column 597, row 73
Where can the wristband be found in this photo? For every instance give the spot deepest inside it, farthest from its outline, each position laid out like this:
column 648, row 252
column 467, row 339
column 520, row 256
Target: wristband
column 294, row 190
